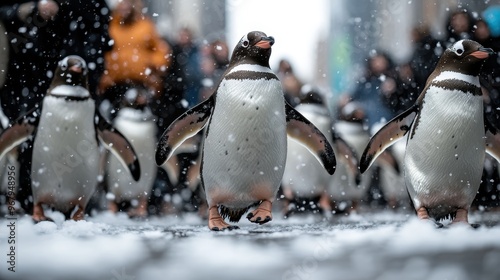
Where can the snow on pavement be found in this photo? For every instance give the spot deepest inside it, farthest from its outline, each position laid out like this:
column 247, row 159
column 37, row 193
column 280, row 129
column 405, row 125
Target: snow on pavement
column 371, row 246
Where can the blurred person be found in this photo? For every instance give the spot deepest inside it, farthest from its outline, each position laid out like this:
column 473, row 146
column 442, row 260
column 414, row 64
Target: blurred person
column 459, row 25
column 188, row 56
column 375, row 87
column 214, row 63
column 407, row 89
column 182, row 85
column 487, row 33
column 139, row 56
column 40, row 33
column 290, row 82
column 427, row 51
column 43, row 32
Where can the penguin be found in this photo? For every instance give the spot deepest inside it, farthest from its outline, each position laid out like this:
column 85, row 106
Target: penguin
column 245, row 141
column 348, row 196
column 447, row 136
column 304, row 183
column 66, row 129
column 345, row 195
column 137, row 123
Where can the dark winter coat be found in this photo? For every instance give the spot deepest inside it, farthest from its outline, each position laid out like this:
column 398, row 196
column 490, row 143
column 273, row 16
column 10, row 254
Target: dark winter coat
column 80, row 27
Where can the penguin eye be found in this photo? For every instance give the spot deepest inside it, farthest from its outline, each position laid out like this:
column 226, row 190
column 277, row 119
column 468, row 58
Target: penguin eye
column 63, row 66
column 459, row 52
column 245, row 43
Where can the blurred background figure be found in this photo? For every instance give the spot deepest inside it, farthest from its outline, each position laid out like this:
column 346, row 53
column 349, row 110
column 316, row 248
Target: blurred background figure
column 137, row 63
column 375, row 88
column 304, row 182
column 345, row 195
column 460, row 25
column 487, row 33
column 139, row 56
column 188, row 56
column 425, row 56
column 137, row 123
column 40, row 34
column 215, row 60
column 290, row 82
column 177, row 190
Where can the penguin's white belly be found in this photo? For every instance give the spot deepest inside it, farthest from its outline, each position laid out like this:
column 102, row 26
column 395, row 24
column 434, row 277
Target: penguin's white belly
column 304, row 175
column 444, row 159
column 342, row 186
column 245, row 147
column 142, row 136
column 65, row 153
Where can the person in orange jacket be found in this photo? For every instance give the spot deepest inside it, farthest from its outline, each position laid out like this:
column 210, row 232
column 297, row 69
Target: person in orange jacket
column 139, row 55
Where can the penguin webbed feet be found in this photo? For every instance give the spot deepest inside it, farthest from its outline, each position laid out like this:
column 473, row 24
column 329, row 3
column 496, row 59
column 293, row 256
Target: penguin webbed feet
column 39, row 215
column 457, row 218
column 262, row 214
column 215, row 221
column 229, row 227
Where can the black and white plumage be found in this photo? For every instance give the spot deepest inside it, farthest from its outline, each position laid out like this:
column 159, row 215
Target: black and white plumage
column 446, row 131
column 66, row 130
column 247, row 122
column 304, row 182
column 137, row 123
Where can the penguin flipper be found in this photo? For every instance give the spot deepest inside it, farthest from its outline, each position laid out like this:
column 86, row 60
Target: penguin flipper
column 348, row 156
column 18, row 131
column 302, row 130
column 492, row 140
column 119, row 146
column 185, row 126
column 387, row 135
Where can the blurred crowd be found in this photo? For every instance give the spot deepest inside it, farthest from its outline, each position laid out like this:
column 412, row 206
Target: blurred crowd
column 124, row 50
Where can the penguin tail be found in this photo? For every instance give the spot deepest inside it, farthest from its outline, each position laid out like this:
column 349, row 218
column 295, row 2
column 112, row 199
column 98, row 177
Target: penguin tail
column 442, row 213
column 234, row 214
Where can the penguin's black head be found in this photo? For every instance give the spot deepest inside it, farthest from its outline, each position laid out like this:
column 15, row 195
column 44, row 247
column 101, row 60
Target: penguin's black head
column 254, row 47
column 71, row 70
column 310, row 95
column 465, row 56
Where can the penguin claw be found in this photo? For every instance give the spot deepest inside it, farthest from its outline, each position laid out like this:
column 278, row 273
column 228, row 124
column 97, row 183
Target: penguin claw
column 267, row 219
column 475, row 226
column 225, row 228
column 250, row 215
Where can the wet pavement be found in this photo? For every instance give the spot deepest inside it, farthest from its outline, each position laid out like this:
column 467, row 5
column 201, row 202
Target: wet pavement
column 382, row 245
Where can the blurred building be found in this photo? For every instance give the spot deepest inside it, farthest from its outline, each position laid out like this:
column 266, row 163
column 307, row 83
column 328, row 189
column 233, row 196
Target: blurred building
column 206, row 18
column 356, row 27
column 360, row 26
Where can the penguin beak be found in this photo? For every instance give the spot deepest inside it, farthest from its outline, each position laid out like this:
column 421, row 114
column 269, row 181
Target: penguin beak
column 482, row 53
column 265, row 42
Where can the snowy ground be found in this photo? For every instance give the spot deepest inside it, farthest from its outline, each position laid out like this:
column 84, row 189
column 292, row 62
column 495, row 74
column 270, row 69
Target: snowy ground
column 369, row 246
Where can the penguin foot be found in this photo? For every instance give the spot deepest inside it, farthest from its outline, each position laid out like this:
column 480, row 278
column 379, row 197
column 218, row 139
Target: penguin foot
column 39, row 215
column 262, row 214
column 422, row 213
column 215, row 221
column 461, row 217
column 79, row 214
column 438, row 225
column 140, row 211
column 226, row 228
column 37, row 220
